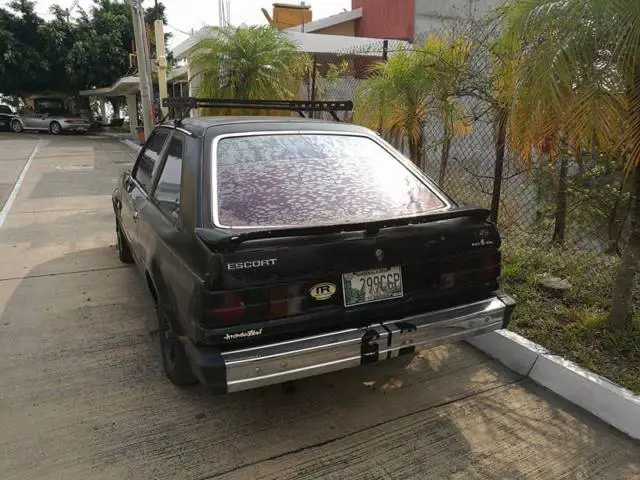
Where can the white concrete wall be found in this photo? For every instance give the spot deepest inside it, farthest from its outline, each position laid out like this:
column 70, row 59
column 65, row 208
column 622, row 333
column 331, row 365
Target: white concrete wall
column 434, row 15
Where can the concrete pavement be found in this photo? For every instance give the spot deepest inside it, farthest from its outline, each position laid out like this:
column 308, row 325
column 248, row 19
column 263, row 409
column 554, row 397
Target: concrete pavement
column 14, row 153
column 82, row 394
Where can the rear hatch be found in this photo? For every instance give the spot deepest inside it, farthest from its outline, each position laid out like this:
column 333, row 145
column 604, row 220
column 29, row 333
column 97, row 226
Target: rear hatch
column 318, row 231
column 281, row 287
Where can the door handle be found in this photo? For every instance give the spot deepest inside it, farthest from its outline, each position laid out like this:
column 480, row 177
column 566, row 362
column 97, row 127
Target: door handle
column 135, row 215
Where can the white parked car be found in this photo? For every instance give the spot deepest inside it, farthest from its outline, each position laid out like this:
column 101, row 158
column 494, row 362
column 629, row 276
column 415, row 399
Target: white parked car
column 53, row 120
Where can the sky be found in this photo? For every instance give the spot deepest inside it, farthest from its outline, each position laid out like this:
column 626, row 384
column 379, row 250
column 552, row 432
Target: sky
column 184, row 15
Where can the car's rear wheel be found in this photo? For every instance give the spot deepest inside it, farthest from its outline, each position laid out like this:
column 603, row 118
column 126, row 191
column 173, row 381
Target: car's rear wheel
column 55, row 128
column 16, row 126
column 174, row 358
column 124, row 251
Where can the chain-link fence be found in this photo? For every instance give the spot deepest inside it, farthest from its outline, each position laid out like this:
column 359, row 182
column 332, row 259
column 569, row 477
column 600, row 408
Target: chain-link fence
column 571, row 208
column 440, row 100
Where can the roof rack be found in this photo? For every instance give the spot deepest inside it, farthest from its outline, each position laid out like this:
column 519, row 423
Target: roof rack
column 179, row 107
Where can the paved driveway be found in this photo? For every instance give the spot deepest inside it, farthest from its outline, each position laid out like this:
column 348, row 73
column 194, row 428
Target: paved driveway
column 82, row 395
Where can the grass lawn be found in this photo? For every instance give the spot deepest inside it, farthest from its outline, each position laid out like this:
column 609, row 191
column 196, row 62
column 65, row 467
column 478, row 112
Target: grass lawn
column 572, row 324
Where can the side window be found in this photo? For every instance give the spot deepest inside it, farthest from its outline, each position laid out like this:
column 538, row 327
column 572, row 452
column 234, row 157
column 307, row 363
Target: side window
column 167, row 192
column 150, row 159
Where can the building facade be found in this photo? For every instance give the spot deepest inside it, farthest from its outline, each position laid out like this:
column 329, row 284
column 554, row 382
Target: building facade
column 408, row 19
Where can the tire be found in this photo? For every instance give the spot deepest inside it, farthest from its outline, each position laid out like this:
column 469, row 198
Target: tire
column 55, row 128
column 174, row 358
column 16, row 126
column 124, row 251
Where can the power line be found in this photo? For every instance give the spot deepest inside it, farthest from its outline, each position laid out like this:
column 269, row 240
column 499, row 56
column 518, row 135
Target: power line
column 179, row 30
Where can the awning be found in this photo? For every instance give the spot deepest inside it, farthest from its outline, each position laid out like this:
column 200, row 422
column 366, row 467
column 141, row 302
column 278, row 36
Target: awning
column 123, row 86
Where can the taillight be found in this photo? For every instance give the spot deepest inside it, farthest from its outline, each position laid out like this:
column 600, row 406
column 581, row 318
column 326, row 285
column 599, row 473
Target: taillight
column 472, row 268
column 66, row 120
column 230, row 309
column 494, row 263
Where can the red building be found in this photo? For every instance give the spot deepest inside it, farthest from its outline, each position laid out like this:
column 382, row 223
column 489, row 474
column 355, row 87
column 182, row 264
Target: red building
column 385, row 18
column 388, row 19
column 408, row 19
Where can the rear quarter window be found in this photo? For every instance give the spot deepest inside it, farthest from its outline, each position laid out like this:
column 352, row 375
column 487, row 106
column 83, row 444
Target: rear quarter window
column 150, row 158
column 313, row 179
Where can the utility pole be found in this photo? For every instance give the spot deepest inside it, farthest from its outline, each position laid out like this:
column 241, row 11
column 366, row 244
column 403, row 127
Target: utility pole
column 162, row 63
column 144, row 65
column 224, row 13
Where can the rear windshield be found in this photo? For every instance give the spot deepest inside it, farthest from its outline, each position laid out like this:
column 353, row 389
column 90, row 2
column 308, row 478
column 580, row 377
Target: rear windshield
column 314, row 179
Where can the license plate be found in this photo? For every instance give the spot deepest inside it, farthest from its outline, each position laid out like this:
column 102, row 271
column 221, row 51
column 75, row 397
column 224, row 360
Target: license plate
column 372, row 286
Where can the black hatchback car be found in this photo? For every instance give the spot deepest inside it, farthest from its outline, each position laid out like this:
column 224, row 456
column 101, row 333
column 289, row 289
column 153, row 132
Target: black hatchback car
column 277, row 248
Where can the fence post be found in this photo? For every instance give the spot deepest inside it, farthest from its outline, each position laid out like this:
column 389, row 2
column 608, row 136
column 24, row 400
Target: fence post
column 313, row 78
column 314, row 72
column 385, row 54
column 500, row 140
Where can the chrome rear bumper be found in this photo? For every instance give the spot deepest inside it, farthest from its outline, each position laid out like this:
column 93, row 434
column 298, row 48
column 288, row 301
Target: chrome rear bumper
column 304, row 357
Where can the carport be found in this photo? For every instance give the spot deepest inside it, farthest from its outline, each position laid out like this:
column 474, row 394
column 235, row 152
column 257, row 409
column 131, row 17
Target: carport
column 127, row 87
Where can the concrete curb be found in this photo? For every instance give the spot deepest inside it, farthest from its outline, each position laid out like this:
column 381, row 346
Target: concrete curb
column 132, row 145
column 612, row 403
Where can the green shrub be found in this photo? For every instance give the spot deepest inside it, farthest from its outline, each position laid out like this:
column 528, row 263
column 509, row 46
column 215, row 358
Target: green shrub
column 574, row 324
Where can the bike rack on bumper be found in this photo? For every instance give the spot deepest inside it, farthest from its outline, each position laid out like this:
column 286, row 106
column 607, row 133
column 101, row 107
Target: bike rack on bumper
column 254, row 367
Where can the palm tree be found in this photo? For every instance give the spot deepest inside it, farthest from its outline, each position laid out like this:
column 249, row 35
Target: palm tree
column 246, row 63
column 579, row 85
column 395, row 99
column 446, row 58
column 504, row 53
column 414, row 84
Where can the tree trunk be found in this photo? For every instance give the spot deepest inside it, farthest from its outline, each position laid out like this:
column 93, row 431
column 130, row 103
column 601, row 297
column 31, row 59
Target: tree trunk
column 500, row 139
column 626, row 275
column 561, row 201
column 622, row 296
column 580, row 162
column 446, row 148
column 415, row 149
column 115, row 104
column 615, row 225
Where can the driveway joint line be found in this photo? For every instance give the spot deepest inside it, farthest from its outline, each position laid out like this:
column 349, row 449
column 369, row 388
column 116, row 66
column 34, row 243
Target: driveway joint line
column 30, row 212
column 16, row 186
column 53, row 274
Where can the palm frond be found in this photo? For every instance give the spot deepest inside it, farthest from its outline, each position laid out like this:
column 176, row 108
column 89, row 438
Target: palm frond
column 578, row 74
column 246, row 63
